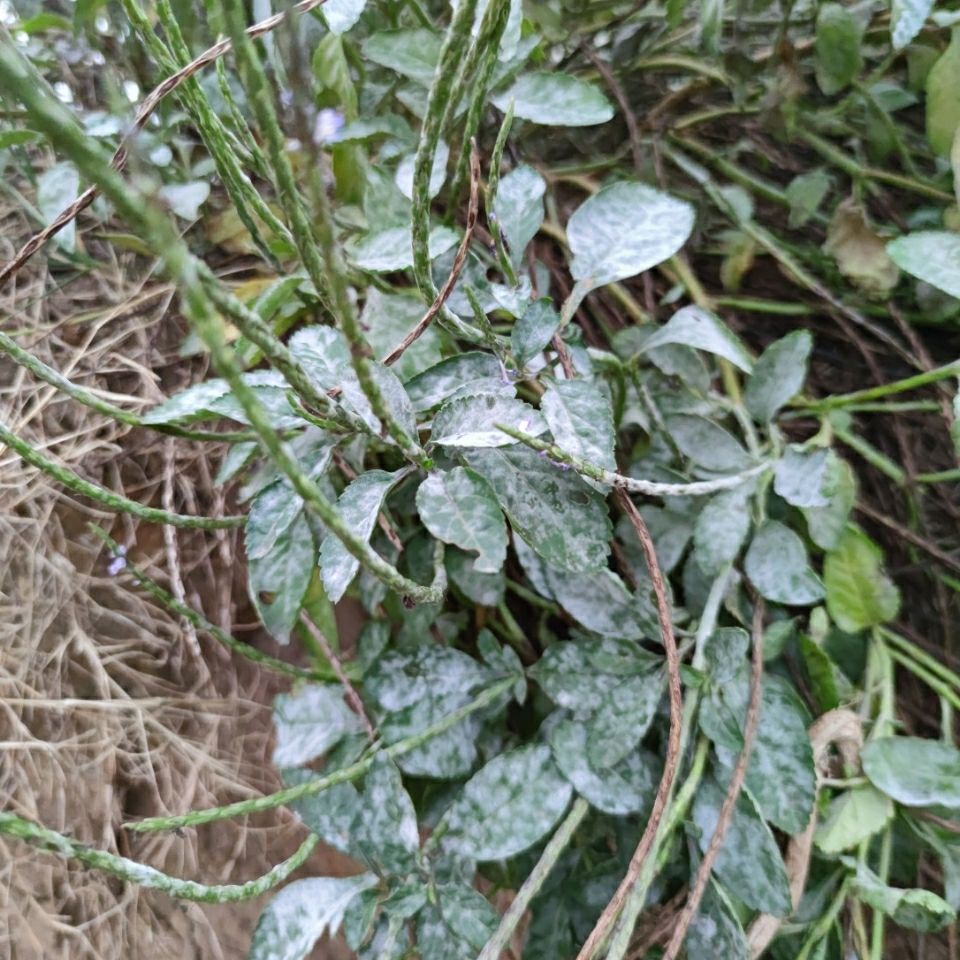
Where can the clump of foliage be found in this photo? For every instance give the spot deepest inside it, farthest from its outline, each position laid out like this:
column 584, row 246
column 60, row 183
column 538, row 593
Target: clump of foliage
column 624, row 642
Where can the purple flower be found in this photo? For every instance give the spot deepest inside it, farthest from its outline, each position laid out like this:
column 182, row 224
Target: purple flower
column 118, row 563
column 328, row 125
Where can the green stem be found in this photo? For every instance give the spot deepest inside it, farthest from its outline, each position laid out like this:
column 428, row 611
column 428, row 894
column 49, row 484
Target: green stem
column 108, row 498
column 53, row 119
column 889, row 389
column 826, row 921
column 920, row 656
column 202, row 623
column 942, row 476
column 312, row 787
column 535, row 880
column 871, row 454
column 647, row 487
column 132, row 872
column 89, row 399
column 879, row 918
column 490, row 197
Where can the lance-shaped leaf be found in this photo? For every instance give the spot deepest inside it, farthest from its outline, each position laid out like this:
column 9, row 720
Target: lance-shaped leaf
column 359, row 505
column 778, row 375
column 459, row 507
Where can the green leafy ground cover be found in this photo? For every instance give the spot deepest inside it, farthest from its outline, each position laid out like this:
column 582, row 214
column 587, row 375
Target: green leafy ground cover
column 671, row 217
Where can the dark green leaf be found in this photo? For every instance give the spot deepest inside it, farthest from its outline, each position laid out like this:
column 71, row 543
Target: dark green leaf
column 716, row 933
column 838, row 57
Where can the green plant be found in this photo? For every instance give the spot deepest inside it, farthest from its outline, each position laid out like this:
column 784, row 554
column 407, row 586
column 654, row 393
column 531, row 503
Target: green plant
column 529, row 701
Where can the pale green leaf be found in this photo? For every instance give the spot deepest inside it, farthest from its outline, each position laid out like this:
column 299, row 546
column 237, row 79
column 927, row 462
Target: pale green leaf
column 602, row 603
column 556, row 100
column 508, row 805
column 930, row 255
column 561, row 517
column 778, row 375
column 392, row 249
column 623, row 230
column 279, row 578
column 780, row 776
column 438, row 172
column 518, row 207
column 716, row 933
column 309, row 722
column 914, row 771
column 411, row 53
column 471, row 372
column 852, row 817
column 533, row 331
column 472, row 421
column 628, row 787
column 826, row 524
column 302, row 912
column 914, row 909
column 721, row 530
column 943, row 104
column 800, row 476
column 359, row 505
column 859, row 593
column 749, row 864
column 777, row 565
column 459, row 507
column 580, row 418
column 457, row 926
column 57, row 188
column 701, row 330
column 805, row 193
column 707, row 444
column 341, row 15
column 185, row 199
column 906, row 20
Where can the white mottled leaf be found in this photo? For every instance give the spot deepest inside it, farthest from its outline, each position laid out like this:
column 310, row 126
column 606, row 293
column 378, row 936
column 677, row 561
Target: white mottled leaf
column 580, row 418
column 518, row 207
column 623, row 230
column 906, row 20
column 602, row 603
column 302, row 912
column 359, row 505
column 457, row 926
column 392, row 249
column 385, row 825
column 472, row 371
column 387, row 318
column 707, row 444
column 914, row 771
column 533, row 331
column 715, row 931
column 472, row 421
column 185, row 199
column 561, row 517
column 341, row 15
column 800, row 476
column 930, row 255
column 778, row 375
column 411, row 53
column 721, row 529
column 309, row 722
column 508, row 805
column 57, row 188
column 555, row 99
column 438, row 172
column 459, row 507
column 777, row 565
column 914, row 909
column 698, row 328
column 826, row 523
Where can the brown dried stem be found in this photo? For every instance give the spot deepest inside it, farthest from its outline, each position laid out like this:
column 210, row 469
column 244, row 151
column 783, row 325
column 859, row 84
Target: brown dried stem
column 672, row 762
column 733, row 792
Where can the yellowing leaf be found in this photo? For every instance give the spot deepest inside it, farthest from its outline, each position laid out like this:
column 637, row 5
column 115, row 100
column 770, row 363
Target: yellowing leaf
column 860, row 254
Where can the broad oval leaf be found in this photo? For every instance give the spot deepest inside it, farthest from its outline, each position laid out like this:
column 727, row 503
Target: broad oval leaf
column 438, row 172
column 472, row 421
column 914, row 771
column 341, row 15
column 302, row 912
column 602, row 603
column 721, row 530
column 309, row 722
column 800, row 476
column 457, row 926
column 826, row 524
column 628, row 787
column 943, row 105
column 359, row 505
column 716, row 932
column 392, row 249
column 556, row 100
column 778, row 375
column 580, row 418
column 385, row 825
column 623, row 230
column 707, row 444
column 852, row 817
column 749, row 864
column 561, row 517
column 777, row 565
column 859, row 593
column 837, row 53
column 411, row 53
column 460, row 507
column 695, row 327
column 518, row 207
column 930, row 255
column 470, row 372
column 508, row 805
column 533, row 331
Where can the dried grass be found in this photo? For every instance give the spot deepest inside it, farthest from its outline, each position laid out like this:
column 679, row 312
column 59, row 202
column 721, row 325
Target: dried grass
column 109, row 708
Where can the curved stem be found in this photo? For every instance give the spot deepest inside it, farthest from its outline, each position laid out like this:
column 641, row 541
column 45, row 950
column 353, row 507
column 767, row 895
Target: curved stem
column 107, row 498
column 144, row 876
